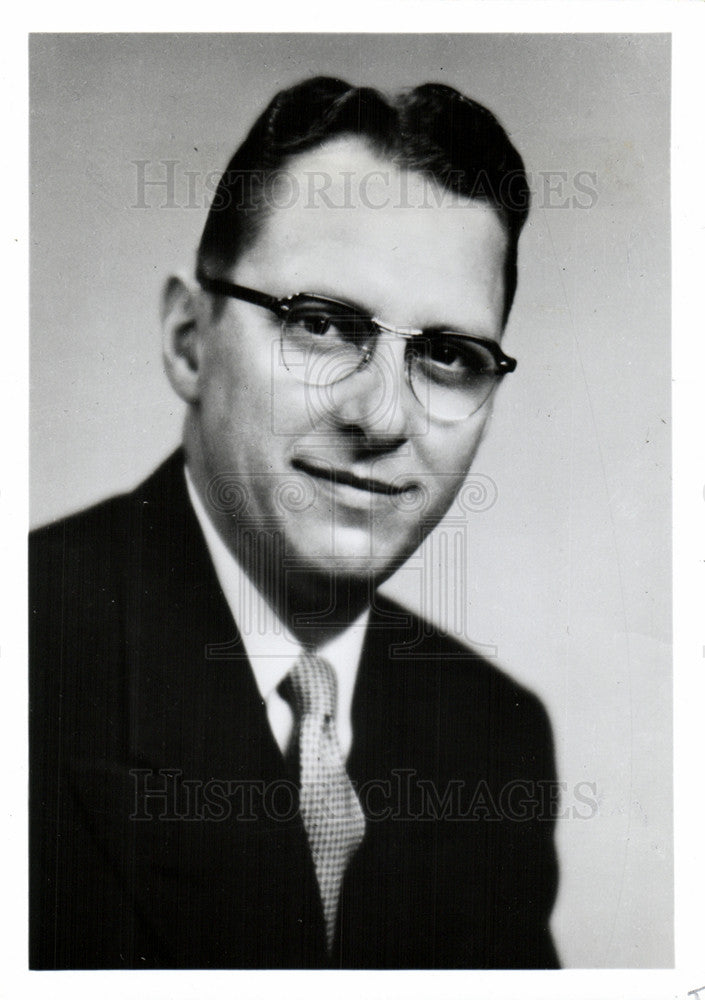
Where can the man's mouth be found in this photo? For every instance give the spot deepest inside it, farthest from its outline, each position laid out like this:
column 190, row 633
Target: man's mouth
column 343, row 477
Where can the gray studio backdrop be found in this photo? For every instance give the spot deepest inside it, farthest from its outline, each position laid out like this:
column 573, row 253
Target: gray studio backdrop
column 560, row 550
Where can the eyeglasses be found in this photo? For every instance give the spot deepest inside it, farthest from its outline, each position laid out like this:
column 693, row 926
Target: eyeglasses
column 324, row 341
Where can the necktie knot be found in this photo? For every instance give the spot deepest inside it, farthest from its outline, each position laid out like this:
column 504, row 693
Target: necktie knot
column 312, row 687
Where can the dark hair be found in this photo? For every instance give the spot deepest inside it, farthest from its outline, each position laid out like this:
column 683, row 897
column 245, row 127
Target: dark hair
column 432, row 129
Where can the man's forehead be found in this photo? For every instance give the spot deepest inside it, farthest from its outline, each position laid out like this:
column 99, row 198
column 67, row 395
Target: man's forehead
column 347, row 173
column 343, row 215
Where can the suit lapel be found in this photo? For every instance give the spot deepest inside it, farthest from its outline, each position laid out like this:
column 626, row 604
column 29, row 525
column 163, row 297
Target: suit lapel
column 194, row 695
column 195, row 710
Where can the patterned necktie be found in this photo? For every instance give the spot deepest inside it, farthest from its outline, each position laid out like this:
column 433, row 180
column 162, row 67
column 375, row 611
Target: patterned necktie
column 331, row 812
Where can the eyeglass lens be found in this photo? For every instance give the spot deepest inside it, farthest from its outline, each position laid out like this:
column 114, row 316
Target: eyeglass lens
column 449, row 375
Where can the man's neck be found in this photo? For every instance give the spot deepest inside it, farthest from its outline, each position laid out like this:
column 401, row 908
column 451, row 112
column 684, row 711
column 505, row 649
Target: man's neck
column 314, row 606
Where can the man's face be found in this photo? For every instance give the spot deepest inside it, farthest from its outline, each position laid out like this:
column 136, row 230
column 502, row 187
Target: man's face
column 410, row 256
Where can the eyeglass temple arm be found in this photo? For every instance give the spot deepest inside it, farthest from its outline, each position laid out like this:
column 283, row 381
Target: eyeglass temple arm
column 220, row 287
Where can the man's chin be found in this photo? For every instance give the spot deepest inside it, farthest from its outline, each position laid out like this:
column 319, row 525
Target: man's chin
column 349, row 562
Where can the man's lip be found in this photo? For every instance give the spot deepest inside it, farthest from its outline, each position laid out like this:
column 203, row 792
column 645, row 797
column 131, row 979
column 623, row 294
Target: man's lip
column 343, row 477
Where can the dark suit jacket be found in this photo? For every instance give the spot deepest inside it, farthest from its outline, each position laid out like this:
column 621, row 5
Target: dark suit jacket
column 164, row 829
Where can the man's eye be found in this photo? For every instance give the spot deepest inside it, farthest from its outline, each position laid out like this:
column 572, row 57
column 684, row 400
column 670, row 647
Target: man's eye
column 313, row 320
column 459, row 356
column 323, row 321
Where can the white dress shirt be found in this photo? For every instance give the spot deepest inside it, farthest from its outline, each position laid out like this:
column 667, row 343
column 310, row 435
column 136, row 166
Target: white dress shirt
column 271, row 648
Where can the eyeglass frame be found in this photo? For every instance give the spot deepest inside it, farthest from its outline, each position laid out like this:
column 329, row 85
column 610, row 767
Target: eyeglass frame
column 282, row 306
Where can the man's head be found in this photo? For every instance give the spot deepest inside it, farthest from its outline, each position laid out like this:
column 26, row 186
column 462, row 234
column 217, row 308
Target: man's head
column 410, row 211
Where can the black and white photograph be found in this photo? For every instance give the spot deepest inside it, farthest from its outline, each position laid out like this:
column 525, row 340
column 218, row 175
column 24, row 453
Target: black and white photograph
column 350, row 513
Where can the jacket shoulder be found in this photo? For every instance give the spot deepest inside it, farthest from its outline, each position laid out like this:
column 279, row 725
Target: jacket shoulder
column 116, row 522
column 462, row 684
column 417, row 642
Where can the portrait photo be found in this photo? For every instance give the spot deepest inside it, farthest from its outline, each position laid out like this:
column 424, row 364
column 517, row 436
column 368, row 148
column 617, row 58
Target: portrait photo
column 350, row 502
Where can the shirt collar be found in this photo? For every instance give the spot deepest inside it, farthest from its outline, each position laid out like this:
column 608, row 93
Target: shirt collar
column 270, row 646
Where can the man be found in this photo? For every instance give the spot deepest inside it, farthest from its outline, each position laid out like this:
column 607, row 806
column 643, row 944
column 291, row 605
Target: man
column 242, row 755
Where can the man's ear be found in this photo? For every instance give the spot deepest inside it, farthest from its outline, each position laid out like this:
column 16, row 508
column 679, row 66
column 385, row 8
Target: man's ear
column 182, row 336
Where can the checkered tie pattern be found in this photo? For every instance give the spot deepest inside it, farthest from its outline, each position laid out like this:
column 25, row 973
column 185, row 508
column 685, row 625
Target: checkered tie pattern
column 330, row 809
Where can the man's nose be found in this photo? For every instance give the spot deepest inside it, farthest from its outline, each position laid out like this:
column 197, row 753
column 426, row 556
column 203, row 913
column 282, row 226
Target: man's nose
column 377, row 399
